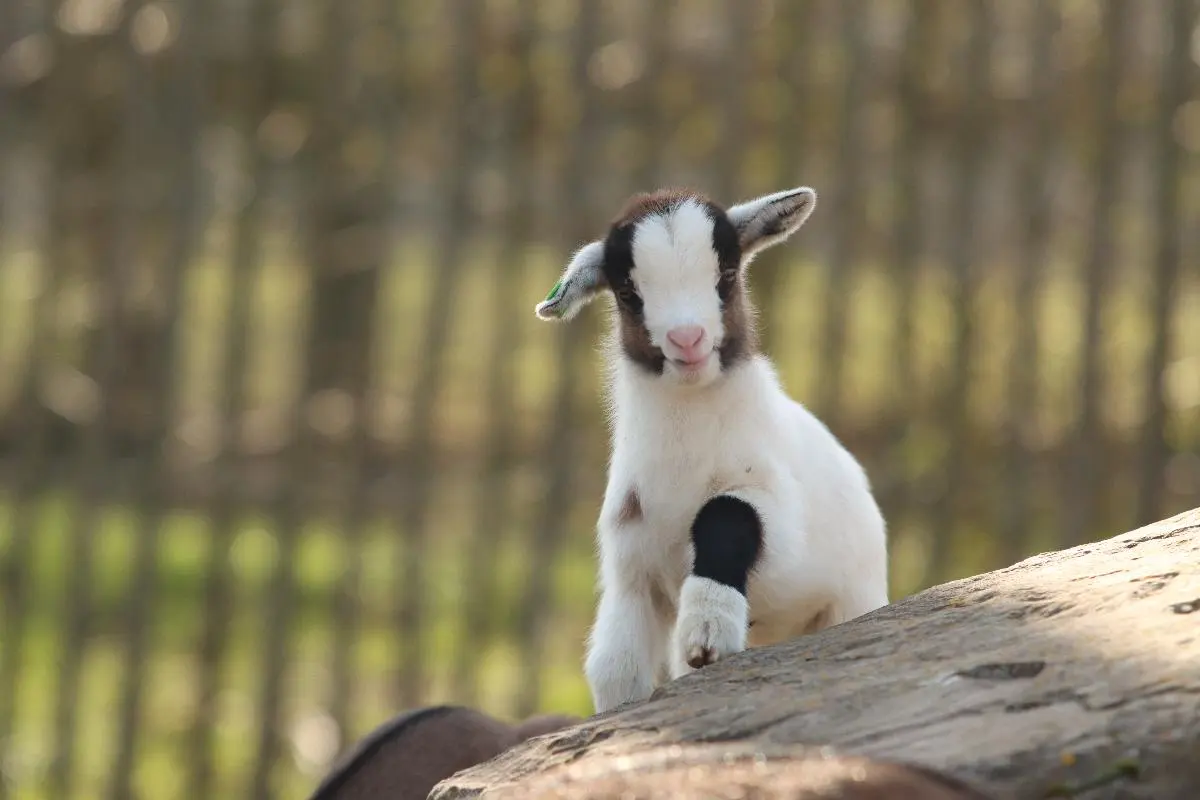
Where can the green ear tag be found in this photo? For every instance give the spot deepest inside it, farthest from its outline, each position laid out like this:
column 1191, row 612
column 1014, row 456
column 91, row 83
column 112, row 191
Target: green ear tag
column 554, row 291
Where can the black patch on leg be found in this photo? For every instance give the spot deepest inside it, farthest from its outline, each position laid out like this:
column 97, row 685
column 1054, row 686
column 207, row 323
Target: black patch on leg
column 727, row 537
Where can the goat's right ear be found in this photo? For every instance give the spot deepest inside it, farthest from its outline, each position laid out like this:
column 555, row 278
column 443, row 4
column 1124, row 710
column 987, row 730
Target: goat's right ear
column 768, row 220
column 581, row 281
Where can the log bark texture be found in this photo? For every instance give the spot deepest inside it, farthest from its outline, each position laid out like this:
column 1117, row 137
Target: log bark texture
column 1073, row 673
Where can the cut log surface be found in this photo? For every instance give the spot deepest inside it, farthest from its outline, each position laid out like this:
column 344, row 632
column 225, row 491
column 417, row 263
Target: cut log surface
column 1072, row 674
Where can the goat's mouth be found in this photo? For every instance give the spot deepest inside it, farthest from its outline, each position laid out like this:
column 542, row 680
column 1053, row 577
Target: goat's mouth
column 694, row 364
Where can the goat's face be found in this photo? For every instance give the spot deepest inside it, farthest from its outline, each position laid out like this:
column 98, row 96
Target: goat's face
column 675, row 264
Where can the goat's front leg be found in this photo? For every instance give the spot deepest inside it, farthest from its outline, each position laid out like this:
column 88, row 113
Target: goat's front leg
column 714, row 614
column 625, row 649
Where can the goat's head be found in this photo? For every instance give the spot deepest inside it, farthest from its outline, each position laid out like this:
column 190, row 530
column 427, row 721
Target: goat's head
column 675, row 263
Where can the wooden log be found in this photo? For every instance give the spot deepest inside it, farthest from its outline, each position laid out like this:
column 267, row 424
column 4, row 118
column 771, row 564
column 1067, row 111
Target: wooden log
column 1074, row 673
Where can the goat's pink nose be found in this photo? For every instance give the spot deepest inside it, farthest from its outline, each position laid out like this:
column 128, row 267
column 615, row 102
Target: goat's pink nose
column 685, row 337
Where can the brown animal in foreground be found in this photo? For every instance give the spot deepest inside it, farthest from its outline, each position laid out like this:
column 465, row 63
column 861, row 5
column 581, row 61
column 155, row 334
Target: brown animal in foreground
column 405, row 757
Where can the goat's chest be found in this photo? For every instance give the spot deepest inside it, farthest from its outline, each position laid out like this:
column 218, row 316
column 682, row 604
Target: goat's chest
column 673, row 467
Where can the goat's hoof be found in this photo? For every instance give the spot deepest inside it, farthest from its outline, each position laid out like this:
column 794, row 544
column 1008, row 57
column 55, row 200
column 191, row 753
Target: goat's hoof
column 712, row 623
column 707, row 642
column 700, row 656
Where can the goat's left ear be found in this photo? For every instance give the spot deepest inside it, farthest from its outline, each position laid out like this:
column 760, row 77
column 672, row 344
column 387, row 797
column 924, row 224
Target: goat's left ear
column 770, row 219
column 581, row 281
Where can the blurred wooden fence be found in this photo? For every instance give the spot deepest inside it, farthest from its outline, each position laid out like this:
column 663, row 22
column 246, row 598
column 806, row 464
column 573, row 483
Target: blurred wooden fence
column 283, row 449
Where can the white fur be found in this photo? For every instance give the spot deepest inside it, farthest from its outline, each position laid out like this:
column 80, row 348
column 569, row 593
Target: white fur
column 711, row 624
column 682, row 437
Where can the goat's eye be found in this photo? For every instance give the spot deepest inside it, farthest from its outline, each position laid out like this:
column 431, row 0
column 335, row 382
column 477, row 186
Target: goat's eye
column 727, row 278
column 626, row 294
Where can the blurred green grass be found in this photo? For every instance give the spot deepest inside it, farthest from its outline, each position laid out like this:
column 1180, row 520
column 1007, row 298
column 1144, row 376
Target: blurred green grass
column 177, row 613
column 795, row 313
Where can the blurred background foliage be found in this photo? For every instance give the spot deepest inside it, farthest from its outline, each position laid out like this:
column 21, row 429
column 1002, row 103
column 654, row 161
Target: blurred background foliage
column 283, row 449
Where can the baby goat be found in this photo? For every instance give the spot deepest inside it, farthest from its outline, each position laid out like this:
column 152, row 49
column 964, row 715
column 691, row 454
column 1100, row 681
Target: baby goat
column 731, row 512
